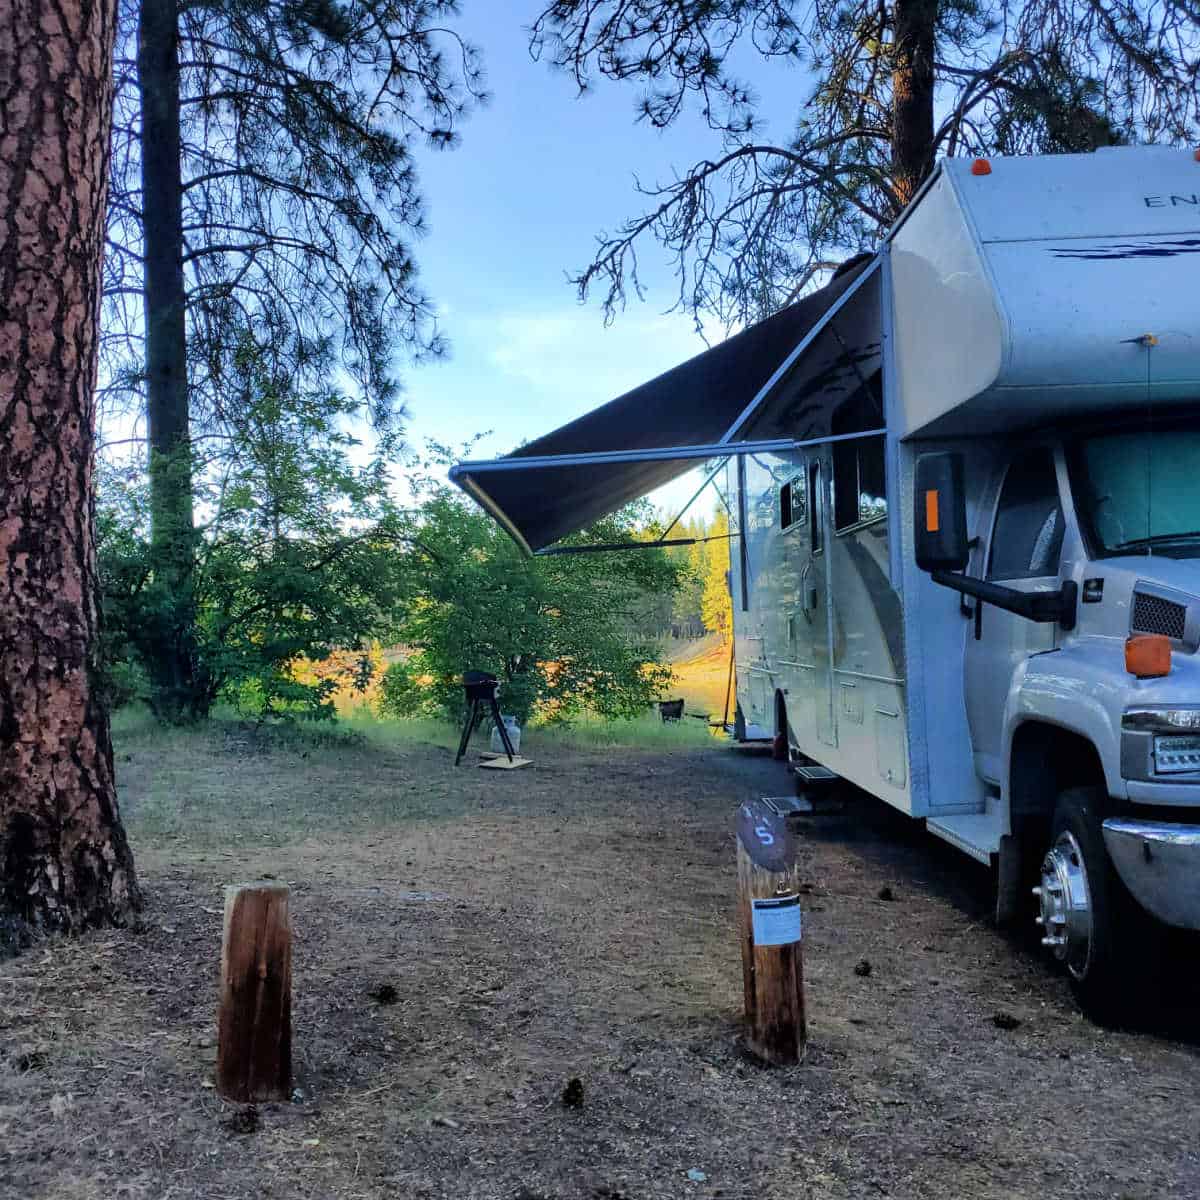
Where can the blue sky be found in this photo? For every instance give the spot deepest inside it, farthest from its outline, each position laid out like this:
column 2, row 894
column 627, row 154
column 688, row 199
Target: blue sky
column 515, row 208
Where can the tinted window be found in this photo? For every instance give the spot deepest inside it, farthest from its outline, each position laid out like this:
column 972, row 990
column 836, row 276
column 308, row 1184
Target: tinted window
column 816, row 533
column 1028, row 535
column 845, row 484
column 858, row 482
column 791, row 502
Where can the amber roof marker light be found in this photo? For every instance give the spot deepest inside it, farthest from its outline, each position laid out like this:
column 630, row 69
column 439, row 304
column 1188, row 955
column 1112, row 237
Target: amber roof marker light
column 981, row 166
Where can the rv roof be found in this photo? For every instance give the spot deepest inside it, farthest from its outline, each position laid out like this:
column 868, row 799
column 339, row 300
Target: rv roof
column 1145, row 190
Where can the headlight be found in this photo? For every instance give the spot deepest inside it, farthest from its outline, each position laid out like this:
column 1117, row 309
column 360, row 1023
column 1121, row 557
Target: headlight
column 1162, row 720
column 1176, row 754
column 1161, row 741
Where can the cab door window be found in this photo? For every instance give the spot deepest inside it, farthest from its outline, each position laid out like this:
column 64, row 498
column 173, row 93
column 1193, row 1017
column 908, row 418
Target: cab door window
column 1028, row 533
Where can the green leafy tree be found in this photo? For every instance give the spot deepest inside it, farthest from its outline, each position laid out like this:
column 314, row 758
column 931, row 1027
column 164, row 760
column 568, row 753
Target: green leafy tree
column 713, row 560
column 263, row 187
column 555, row 630
column 883, row 88
column 302, row 553
column 686, row 601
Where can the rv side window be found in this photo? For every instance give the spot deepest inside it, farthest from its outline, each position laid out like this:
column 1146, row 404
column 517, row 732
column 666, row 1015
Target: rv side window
column 1028, row 533
column 815, row 532
column 791, row 502
column 859, row 489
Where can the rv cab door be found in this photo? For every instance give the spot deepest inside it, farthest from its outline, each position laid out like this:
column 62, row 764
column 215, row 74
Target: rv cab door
column 1021, row 549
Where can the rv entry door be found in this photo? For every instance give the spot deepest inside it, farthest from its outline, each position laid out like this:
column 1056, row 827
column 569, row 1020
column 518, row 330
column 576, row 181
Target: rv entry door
column 1022, row 552
column 813, row 622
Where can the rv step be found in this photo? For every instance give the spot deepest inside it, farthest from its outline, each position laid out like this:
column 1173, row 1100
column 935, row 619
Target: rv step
column 976, row 834
column 788, row 806
column 813, row 775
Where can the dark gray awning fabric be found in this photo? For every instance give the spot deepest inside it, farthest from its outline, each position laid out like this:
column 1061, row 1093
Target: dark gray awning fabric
column 693, row 405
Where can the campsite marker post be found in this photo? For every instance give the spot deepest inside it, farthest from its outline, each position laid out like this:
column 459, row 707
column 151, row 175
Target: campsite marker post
column 769, row 930
column 254, row 1038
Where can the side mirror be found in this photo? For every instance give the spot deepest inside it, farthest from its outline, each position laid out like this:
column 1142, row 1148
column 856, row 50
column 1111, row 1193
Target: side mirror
column 940, row 513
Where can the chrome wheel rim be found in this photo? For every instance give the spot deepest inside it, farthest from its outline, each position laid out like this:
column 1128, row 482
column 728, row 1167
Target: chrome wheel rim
column 1065, row 905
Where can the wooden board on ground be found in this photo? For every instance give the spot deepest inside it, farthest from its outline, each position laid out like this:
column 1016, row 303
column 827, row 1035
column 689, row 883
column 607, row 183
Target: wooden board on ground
column 499, row 762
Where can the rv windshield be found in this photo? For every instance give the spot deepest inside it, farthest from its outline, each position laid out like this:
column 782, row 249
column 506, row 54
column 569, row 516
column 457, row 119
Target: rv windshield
column 1138, row 491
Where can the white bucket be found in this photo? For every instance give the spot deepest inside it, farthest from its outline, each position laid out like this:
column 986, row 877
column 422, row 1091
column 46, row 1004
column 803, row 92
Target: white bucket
column 514, row 735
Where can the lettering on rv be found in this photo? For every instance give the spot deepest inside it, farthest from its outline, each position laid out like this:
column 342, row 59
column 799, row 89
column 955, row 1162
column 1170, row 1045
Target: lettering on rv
column 1171, row 201
column 1155, row 249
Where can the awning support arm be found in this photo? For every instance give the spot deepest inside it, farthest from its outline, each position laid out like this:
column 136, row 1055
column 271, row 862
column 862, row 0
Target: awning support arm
column 695, row 496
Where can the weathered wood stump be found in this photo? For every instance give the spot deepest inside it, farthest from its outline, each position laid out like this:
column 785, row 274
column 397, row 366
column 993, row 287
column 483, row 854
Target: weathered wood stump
column 769, row 930
column 254, row 1045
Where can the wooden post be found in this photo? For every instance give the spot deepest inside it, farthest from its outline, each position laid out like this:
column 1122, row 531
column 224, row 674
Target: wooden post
column 254, row 1044
column 769, row 905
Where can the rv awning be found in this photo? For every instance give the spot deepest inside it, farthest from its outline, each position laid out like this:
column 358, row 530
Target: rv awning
column 625, row 449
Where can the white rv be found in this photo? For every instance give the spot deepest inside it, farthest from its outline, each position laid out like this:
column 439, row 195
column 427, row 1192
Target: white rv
column 964, row 483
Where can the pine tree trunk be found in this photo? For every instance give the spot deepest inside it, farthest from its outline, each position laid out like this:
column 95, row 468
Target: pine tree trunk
column 64, row 860
column 171, row 649
column 915, row 41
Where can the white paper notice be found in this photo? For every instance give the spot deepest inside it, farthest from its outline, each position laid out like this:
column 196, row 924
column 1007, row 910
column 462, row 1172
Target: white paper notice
column 776, row 921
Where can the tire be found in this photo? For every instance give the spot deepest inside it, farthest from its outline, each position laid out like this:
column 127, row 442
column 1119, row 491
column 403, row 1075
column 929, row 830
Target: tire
column 1110, row 970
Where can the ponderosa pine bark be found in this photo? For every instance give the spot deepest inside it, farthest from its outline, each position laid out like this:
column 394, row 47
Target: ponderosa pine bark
column 172, row 660
column 915, row 33
column 64, row 859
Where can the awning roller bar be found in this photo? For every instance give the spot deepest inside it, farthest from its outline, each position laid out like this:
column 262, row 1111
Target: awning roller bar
column 600, row 458
column 656, row 454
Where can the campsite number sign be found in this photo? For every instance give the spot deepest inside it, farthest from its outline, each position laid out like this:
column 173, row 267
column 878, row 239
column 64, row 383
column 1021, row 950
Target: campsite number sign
column 766, row 836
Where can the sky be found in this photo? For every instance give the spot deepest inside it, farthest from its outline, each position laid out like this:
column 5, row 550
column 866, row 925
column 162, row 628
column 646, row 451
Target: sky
column 512, row 211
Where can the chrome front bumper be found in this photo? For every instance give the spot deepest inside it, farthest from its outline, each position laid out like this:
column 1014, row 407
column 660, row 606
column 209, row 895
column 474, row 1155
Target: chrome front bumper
column 1160, row 864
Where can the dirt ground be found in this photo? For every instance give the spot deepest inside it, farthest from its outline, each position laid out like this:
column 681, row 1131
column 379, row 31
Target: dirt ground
column 569, row 921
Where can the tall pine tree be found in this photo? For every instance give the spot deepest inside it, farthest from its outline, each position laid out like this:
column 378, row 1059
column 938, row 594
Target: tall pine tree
column 64, row 860
column 263, row 187
column 883, row 87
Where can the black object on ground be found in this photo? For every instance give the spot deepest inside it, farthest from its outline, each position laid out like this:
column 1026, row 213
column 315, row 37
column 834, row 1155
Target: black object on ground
column 481, row 688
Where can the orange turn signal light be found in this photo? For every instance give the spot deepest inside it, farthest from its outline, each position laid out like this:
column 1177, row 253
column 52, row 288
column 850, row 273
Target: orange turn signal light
column 981, row 166
column 1148, row 655
column 932, row 524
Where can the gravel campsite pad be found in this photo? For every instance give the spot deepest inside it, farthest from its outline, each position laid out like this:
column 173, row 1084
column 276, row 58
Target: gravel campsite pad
column 526, row 986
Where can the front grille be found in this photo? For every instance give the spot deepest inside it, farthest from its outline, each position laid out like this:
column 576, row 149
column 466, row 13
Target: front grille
column 1153, row 614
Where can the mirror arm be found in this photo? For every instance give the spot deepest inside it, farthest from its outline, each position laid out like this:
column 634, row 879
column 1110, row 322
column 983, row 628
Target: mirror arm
column 1043, row 607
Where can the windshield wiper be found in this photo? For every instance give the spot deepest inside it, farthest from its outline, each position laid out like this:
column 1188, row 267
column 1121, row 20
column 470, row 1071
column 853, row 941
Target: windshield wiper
column 1158, row 539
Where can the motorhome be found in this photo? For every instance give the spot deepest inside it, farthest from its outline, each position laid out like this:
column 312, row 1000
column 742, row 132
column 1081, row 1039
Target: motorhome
column 964, row 488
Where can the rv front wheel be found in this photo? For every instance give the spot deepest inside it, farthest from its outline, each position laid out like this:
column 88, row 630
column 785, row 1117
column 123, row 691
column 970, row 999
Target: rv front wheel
column 1089, row 921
